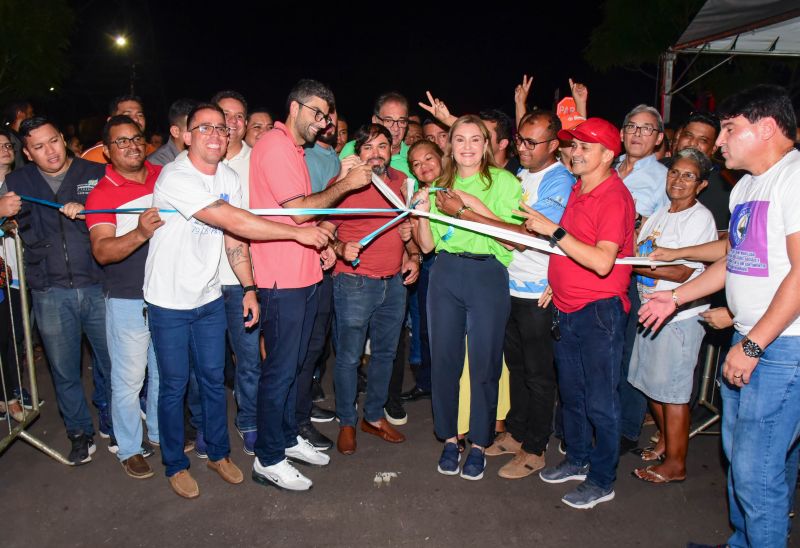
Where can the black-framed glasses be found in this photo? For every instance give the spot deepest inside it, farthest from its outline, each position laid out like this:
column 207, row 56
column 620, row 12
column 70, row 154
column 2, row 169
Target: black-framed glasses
column 125, row 142
column 209, row 129
column 391, row 122
column 685, row 176
column 7, row 146
column 530, row 144
column 631, row 129
column 318, row 114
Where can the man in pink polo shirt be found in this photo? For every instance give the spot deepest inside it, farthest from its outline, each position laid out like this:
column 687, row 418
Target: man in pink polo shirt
column 287, row 274
column 590, row 295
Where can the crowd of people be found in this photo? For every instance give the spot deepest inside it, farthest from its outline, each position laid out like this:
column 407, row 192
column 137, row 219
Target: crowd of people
column 178, row 259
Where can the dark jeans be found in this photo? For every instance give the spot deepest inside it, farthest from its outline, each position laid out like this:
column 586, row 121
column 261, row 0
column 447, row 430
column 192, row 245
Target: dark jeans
column 287, row 318
column 63, row 315
column 317, row 351
column 364, row 305
column 633, row 403
column 199, row 332
column 11, row 314
column 468, row 298
column 532, row 374
column 244, row 342
column 587, row 358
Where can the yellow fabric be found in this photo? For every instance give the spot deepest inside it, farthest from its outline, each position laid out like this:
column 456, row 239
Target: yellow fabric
column 503, row 397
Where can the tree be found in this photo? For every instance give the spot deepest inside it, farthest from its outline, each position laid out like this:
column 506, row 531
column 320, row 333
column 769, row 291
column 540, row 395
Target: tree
column 34, row 38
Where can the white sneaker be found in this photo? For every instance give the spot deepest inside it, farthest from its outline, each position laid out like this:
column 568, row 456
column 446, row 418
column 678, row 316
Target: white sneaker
column 306, row 453
column 282, row 475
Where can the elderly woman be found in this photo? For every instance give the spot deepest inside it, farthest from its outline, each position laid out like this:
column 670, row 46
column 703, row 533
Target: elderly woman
column 468, row 292
column 662, row 364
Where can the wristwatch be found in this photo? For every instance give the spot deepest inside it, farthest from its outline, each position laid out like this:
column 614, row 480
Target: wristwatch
column 751, row 348
column 253, row 288
column 558, row 234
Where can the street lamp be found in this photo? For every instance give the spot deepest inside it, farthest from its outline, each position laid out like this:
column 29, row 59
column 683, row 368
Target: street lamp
column 121, row 42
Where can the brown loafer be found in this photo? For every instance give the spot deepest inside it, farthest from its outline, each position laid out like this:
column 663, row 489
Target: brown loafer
column 346, row 442
column 227, row 470
column 384, row 430
column 137, row 468
column 183, row 483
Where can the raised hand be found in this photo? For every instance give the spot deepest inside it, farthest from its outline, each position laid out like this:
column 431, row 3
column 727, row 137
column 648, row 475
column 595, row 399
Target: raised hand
column 348, row 163
column 359, row 176
column 438, row 109
column 522, row 90
column 581, row 95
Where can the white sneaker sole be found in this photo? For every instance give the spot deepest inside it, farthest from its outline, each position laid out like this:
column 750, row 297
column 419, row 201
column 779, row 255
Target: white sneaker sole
column 475, row 478
column 576, row 477
column 446, row 473
column 592, row 504
column 299, row 459
column 393, row 421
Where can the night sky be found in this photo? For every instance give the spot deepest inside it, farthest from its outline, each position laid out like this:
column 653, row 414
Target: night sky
column 470, row 59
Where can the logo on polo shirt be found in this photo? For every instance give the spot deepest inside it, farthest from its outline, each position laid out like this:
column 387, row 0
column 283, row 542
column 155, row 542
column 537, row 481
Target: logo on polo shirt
column 85, row 188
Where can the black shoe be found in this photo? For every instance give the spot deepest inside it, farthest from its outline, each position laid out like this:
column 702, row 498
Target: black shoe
column 147, row 449
column 319, row 414
column 82, row 449
column 394, row 412
column 415, row 394
column 626, row 445
column 317, row 393
column 314, row 437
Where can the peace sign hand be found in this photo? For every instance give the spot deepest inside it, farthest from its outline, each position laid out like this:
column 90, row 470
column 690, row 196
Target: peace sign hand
column 522, row 90
column 438, row 109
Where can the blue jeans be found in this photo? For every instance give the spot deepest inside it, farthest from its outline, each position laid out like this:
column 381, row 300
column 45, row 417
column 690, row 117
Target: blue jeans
column 177, row 334
column 62, row 316
column 244, row 343
column 132, row 356
column 422, row 375
column 362, row 305
column 588, row 365
column 287, row 318
column 760, row 429
column 314, row 362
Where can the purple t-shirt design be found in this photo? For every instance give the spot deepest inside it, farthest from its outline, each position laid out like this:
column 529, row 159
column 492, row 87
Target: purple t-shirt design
column 748, row 237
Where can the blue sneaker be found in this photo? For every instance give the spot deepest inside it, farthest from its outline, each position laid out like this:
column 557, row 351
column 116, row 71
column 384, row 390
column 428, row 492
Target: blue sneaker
column 104, row 422
column 474, row 465
column 587, row 495
column 448, row 462
column 25, row 398
column 564, row 471
column 249, row 439
column 200, row 447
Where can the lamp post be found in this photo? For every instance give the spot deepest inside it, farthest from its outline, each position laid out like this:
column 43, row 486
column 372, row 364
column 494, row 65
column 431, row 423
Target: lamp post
column 121, row 42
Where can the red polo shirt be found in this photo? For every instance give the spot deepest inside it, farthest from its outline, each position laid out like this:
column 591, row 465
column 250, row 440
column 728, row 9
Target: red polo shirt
column 607, row 213
column 384, row 256
column 278, row 174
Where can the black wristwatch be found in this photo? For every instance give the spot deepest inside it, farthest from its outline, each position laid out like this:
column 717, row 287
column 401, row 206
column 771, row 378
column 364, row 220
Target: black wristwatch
column 751, row 348
column 558, row 234
column 253, row 288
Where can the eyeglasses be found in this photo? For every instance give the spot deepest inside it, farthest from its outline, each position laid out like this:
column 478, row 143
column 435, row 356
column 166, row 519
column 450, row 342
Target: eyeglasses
column 632, row 128
column 685, row 176
column 7, row 146
column 318, row 114
column 208, row 129
column 530, row 144
column 391, row 122
column 125, row 142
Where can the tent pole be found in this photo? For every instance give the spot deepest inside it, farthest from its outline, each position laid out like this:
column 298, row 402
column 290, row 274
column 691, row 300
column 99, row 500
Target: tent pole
column 667, row 69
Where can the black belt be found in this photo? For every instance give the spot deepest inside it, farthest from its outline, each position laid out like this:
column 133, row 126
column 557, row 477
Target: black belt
column 473, row 256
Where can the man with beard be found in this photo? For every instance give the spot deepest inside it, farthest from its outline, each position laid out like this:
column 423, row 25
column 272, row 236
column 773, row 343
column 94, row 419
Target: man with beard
column 370, row 296
column 288, row 276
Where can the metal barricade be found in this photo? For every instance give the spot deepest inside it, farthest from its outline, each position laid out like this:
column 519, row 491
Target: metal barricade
column 708, row 389
column 17, row 429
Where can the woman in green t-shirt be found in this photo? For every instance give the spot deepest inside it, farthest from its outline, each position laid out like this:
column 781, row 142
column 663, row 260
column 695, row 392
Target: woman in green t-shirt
column 468, row 292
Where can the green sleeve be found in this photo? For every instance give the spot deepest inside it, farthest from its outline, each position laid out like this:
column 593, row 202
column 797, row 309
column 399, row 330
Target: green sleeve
column 348, row 149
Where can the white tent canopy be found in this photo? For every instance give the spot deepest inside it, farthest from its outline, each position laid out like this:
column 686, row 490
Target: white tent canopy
column 769, row 28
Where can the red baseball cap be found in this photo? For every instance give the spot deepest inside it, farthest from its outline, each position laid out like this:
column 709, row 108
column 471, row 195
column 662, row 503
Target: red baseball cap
column 595, row 130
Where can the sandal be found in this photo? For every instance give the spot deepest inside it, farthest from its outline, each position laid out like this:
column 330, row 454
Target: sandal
column 649, row 475
column 648, row 454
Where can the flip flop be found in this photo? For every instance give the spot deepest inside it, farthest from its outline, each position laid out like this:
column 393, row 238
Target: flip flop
column 648, row 454
column 651, row 476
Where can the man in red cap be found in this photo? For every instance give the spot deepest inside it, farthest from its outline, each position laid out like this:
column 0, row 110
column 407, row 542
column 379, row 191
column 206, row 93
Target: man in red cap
column 591, row 301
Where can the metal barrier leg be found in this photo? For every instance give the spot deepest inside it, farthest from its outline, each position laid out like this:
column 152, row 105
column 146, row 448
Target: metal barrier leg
column 707, row 390
column 19, row 430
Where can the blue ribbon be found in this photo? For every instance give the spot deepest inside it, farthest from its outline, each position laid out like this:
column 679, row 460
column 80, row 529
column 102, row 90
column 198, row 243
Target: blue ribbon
column 365, row 241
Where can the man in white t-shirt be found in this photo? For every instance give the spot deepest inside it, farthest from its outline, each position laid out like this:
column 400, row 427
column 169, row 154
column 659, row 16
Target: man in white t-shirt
column 186, row 312
column 761, row 276
column 528, row 346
